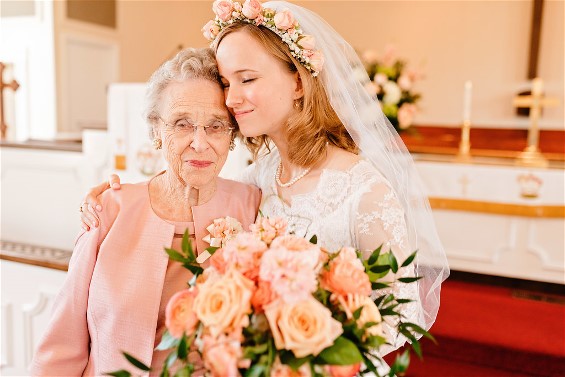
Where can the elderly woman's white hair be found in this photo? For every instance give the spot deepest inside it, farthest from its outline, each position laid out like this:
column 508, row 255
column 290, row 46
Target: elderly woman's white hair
column 190, row 63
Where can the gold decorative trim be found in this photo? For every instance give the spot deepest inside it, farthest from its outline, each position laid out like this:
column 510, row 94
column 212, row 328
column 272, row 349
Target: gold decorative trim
column 546, row 211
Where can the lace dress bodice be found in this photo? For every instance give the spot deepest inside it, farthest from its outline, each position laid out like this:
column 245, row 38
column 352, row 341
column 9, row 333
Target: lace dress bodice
column 356, row 207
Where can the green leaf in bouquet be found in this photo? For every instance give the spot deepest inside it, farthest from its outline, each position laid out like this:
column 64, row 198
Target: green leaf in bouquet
column 165, row 372
column 342, row 352
column 212, row 249
column 375, row 255
column 374, row 341
column 171, row 359
column 256, row 370
column 175, row 255
column 136, row 363
column 288, row 358
column 410, row 259
column 379, row 299
column 185, row 242
column 379, row 285
column 409, row 280
column 119, row 373
column 388, row 298
column 400, row 364
column 393, row 262
column 403, row 300
column 379, row 269
column 314, row 239
column 167, row 341
column 370, row 366
column 182, row 351
column 418, row 329
column 184, row 372
column 388, row 312
column 251, row 352
column 194, row 268
column 357, row 312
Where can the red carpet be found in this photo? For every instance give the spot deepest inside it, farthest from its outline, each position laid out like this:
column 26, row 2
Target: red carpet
column 486, row 330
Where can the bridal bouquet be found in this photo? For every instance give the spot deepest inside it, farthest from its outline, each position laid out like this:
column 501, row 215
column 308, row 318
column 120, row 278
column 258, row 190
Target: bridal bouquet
column 392, row 82
column 272, row 304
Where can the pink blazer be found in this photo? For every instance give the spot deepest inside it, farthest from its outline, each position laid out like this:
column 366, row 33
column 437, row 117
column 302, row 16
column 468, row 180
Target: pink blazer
column 109, row 302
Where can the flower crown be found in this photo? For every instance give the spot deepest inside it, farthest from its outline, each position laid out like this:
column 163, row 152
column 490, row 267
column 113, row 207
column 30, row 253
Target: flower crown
column 282, row 23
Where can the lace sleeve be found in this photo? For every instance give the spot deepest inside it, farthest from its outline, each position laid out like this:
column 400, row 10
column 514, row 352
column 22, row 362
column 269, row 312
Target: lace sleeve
column 380, row 221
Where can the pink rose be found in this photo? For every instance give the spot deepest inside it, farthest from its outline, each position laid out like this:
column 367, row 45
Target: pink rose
column 305, row 328
column 210, row 30
column 260, row 20
column 317, row 61
column 307, row 42
column 179, row 315
column 284, row 20
column 344, row 370
column 223, row 305
column 252, row 9
column 222, row 355
column 267, row 229
column 244, row 253
column 223, row 9
column 406, row 115
column 404, row 82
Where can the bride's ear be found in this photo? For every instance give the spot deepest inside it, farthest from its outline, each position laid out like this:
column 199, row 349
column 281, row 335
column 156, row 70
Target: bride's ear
column 299, row 88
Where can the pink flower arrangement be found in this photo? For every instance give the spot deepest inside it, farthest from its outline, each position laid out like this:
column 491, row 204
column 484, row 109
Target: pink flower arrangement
column 274, row 304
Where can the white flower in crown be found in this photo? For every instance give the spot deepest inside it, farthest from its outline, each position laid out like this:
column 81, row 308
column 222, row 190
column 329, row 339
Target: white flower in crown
column 282, row 23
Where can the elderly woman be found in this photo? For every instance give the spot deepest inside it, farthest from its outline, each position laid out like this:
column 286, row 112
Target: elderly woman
column 120, row 279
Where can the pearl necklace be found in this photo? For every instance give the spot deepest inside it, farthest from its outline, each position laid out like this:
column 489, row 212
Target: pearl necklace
column 293, row 180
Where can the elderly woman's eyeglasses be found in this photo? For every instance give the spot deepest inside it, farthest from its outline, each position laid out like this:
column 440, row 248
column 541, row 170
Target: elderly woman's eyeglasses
column 216, row 128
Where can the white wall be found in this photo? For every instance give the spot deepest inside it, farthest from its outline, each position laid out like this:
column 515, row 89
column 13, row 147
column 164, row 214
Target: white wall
column 451, row 41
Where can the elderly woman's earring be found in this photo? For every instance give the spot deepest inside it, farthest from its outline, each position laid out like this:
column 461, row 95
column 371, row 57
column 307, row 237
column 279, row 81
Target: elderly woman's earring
column 232, row 144
column 157, row 143
column 298, row 104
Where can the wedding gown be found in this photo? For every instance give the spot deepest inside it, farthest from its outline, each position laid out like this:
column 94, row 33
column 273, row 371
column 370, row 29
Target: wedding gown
column 354, row 208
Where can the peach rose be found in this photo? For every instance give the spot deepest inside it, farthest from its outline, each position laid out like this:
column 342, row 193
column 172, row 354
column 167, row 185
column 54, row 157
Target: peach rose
column 221, row 356
column 346, row 275
column 223, row 305
column 223, row 9
column 370, row 313
column 344, row 370
column 284, row 20
column 317, row 61
column 307, row 42
column 262, row 296
column 305, row 328
column 179, row 314
column 251, row 9
column 210, row 30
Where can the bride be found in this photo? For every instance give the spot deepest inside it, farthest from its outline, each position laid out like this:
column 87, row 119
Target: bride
column 333, row 165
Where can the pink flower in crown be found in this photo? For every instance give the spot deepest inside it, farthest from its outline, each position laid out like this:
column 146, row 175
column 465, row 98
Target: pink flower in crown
column 237, row 8
column 307, row 42
column 317, row 60
column 260, row 20
column 210, row 30
column 284, row 20
column 180, row 318
column 223, row 9
column 252, row 9
column 221, row 355
column 244, row 253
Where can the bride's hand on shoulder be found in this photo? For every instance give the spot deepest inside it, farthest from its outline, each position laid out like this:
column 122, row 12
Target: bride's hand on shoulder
column 91, row 203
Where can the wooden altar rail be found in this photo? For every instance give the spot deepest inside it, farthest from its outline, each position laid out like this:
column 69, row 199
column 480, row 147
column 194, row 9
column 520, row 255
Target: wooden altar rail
column 487, row 142
column 545, row 211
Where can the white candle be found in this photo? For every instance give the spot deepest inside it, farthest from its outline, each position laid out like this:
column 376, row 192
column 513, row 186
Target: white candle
column 537, row 87
column 467, row 100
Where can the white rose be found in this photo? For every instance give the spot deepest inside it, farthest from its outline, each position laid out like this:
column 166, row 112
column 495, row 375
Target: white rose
column 392, row 93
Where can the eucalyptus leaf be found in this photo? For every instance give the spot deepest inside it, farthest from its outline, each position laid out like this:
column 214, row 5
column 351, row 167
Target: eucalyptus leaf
column 136, row 363
column 410, row 259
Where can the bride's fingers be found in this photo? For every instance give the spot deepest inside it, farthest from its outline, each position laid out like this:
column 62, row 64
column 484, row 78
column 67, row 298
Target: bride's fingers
column 114, row 182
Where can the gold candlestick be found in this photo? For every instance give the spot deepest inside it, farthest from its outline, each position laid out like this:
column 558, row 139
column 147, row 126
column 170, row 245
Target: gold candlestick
column 465, row 143
column 531, row 156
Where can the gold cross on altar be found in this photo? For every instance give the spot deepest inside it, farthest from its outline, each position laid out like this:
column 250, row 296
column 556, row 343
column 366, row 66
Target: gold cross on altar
column 531, row 156
column 12, row 85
